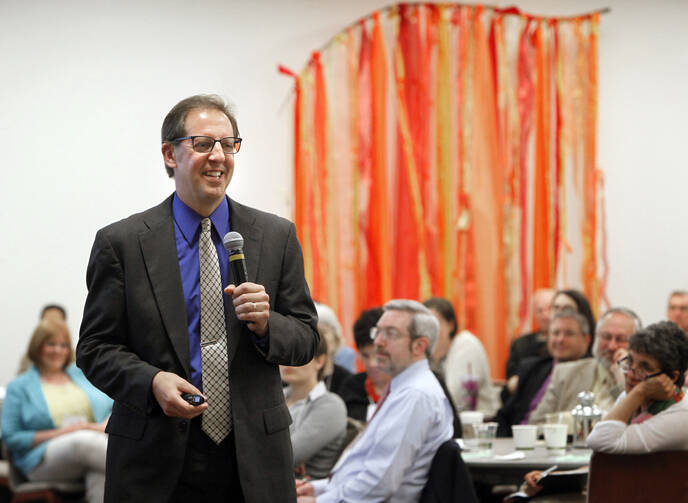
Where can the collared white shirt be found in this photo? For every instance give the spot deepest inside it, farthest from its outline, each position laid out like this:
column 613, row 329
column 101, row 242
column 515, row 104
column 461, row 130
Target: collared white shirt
column 391, row 459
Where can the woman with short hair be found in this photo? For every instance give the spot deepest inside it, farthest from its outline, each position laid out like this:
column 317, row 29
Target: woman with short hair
column 319, row 416
column 652, row 414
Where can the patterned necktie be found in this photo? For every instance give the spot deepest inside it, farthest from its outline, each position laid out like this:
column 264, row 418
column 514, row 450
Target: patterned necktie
column 217, row 419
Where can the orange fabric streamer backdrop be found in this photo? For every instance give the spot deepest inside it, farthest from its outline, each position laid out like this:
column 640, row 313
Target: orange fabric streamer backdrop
column 450, row 150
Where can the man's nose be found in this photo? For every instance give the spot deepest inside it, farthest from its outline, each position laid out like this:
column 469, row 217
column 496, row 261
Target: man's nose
column 217, row 152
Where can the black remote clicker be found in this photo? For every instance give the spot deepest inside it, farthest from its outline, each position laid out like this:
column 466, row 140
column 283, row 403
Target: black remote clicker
column 193, row 399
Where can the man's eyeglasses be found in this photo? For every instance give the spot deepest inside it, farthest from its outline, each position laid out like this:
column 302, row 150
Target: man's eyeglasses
column 205, row 144
column 388, row 333
column 626, row 366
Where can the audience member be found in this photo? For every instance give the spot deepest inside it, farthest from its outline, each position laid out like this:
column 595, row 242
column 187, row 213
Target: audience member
column 362, row 391
column 319, row 416
column 390, row 460
column 461, row 359
column 568, row 339
column 331, row 330
column 677, row 309
column 53, row 419
column 600, row 374
column 531, row 344
column 575, row 300
column 651, row 414
column 55, row 310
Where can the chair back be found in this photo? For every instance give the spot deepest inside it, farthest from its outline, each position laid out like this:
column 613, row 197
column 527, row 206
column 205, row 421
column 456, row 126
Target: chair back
column 449, row 480
column 638, row 478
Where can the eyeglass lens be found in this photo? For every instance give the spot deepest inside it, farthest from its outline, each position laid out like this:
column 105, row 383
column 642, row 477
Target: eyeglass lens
column 204, row 144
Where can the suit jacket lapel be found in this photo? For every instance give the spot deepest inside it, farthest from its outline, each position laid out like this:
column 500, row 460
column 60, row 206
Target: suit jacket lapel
column 160, row 256
column 243, row 222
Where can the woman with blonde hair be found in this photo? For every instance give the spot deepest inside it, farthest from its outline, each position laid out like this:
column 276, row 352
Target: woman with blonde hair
column 53, row 418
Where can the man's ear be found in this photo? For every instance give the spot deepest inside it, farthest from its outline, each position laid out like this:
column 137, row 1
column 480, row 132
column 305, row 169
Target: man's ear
column 420, row 346
column 168, row 155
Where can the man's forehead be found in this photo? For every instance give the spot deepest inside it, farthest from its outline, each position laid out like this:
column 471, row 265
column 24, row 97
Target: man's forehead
column 679, row 299
column 393, row 317
column 617, row 322
column 562, row 323
column 200, row 117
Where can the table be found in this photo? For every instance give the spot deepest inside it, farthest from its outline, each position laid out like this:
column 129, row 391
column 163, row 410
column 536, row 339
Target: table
column 487, row 467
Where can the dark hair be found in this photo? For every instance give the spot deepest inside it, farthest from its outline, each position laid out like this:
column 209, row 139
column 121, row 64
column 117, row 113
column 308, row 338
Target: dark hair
column 366, row 320
column 583, row 307
column 174, row 125
column 444, row 307
column 53, row 306
column 321, row 350
column 665, row 342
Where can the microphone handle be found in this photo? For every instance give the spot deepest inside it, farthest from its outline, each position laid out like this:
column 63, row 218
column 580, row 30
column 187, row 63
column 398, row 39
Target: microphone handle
column 236, row 260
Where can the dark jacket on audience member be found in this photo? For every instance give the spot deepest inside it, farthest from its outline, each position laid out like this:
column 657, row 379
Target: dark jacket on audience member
column 526, row 346
column 335, row 381
column 531, row 376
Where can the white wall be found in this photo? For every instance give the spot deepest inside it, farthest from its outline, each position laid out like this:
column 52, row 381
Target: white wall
column 85, row 85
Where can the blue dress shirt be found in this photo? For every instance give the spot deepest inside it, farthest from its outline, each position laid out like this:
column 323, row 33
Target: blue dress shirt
column 187, row 231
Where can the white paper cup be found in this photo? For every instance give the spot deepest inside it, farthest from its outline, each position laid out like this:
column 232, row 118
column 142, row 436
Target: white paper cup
column 525, row 436
column 555, row 435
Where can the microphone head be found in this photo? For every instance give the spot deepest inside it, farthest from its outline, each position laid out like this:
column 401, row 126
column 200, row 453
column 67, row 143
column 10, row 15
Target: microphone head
column 233, row 241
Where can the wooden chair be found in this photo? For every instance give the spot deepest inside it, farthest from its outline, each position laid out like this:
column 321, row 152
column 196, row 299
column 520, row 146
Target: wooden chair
column 638, row 478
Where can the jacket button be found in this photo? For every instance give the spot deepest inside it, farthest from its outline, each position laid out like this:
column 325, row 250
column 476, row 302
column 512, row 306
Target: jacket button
column 182, row 426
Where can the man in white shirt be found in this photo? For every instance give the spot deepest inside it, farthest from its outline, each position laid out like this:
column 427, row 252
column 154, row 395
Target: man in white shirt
column 391, row 458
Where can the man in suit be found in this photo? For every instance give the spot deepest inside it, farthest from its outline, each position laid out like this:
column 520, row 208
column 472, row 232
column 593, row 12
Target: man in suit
column 600, row 374
column 144, row 335
column 568, row 340
column 532, row 344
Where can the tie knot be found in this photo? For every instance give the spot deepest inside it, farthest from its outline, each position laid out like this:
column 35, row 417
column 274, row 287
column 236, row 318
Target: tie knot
column 205, row 225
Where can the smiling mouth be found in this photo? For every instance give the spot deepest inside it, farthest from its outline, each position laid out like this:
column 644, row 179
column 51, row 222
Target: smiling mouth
column 213, row 174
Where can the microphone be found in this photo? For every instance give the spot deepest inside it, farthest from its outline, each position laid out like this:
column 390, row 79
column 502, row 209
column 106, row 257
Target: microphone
column 234, row 244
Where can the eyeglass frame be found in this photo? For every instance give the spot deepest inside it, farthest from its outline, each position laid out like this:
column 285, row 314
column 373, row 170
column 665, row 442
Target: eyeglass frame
column 623, row 362
column 384, row 332
column 237, row 142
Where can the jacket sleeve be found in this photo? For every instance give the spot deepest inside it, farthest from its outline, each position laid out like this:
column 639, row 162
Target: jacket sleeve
column 102, row 351
column 16, row 437
column 293, row 322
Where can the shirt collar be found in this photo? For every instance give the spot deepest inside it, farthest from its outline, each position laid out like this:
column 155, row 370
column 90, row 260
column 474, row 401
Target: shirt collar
column 188, row 220
column 408, row 374
column 319, row 390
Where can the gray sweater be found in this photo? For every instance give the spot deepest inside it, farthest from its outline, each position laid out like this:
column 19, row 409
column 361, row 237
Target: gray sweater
column 318, row 430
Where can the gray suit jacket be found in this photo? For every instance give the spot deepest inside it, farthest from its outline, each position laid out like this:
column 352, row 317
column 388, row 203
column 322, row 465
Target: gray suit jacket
column 135, row 325
column 569, row 379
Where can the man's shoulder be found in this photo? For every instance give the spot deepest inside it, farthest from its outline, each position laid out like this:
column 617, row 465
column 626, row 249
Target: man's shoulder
column 576, row 367
column 525, row 340
column 260, row 217
column 140, row 221
column 421, row 381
